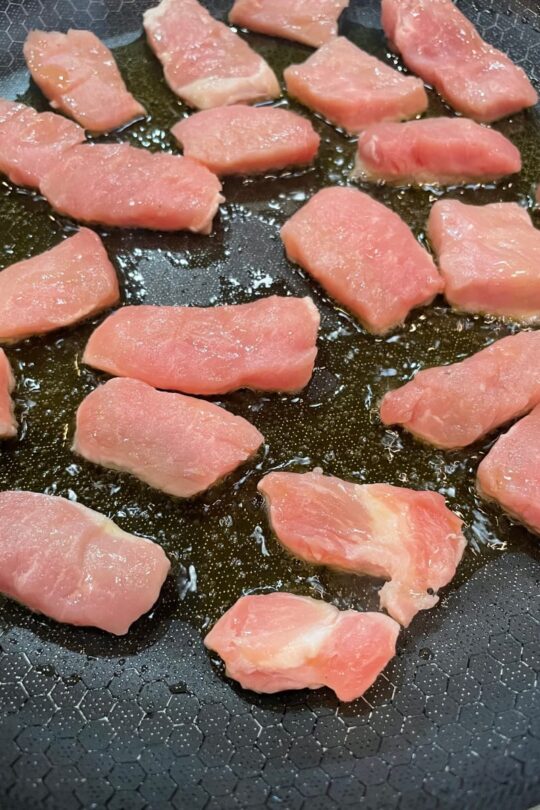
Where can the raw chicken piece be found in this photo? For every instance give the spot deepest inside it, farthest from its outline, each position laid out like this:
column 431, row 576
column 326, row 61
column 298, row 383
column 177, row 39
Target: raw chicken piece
column 31, row 143
column 205, row 63
column 267, row 345
column 247, row 140
column 444, row 151
column 363, row 254
column 453, row 406
column 277, row 641
column 410, row 538
column 75, row 565
column 133, row 188
column 8, row 424
column 79, row 76
column 489, row 257
column 353, row 89
column 510, row 474
column 312, row 22
column 442, row 46
column 178, row 444
column 60, row 287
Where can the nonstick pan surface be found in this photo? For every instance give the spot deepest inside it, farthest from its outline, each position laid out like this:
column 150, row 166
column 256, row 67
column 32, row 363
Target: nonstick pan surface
column 149, row 720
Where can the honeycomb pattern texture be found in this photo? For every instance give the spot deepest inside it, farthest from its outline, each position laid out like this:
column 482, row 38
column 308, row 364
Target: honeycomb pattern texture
column 455, row 723
column 149, row 721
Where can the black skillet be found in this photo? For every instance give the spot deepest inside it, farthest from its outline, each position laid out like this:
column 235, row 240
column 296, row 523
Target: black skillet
column 149, row 721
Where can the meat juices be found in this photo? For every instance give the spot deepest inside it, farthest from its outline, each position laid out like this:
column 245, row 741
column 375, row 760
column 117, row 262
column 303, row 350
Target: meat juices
column 184, row 448
column 312, row 22
column 453, row 406
column 510, row 474
column 409, row 538
column 58, row 288
column 353, row 89
column 435, row 151
column 442, row 46
column 75, row 565
column 133, row 188
column 489, row 257
column 278, row 641
column 8, row 423
column 204, row 62
column 247, row 140
column 363, row 255
column 79, row 76
column 31, row 143
column 267, row 345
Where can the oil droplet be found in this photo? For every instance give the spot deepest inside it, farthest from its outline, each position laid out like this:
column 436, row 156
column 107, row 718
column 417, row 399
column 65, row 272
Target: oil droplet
column 179, row 688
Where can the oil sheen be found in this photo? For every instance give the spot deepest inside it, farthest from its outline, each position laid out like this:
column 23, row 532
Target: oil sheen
column 220, row 542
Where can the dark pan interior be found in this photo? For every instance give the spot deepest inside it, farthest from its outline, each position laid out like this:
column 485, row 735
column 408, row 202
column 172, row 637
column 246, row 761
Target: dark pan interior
column 149, row 720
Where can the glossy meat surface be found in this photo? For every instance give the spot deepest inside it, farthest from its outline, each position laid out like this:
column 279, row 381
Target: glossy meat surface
column 133, row 188
column 80, row 77
column 510, row 473
column 409, row 538
column 247, row 140
column 353, row 89
column 312, row 22
column 178, row 444
column 453, row 406
column 363, row 254
column 58, row 288
column 75, row 565
column 442, row 46
column 267, row 345
column 278, row 641
column 8, row 424
column 204, row 61
column 435, row 151
column 31, row 143
column 489, row 256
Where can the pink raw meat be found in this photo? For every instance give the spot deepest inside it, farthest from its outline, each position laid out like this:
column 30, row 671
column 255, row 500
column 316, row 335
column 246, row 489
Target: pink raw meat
column 79, row 76
column 278, row 641
column 75, row 565
column 442, row 46
column 353, row 89
column 489, row 257
column 443, row 151
column 510, row 473
column 312, row 22
column 185, row 447
column 453, row 406
column 8, row 424
column 31, row 143
column 409, row 538
column 205, row 63
column 267, row 345
column 133, row 188
column 60, row 287
column 363, row 254
column 246, row 140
